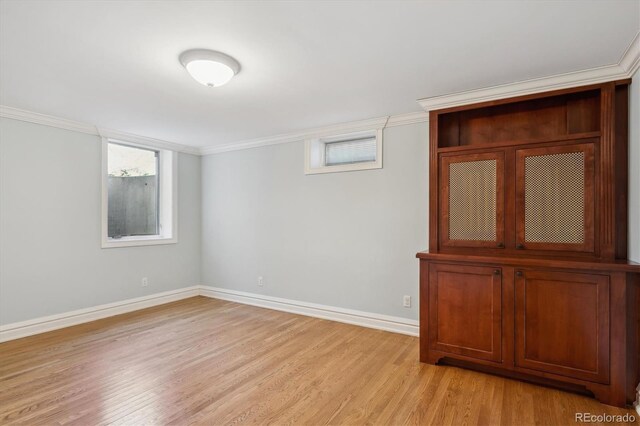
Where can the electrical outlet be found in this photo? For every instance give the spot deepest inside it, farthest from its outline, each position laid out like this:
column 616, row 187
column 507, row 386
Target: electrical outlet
column 260, row 281
column 406, row 301
column 145, row 281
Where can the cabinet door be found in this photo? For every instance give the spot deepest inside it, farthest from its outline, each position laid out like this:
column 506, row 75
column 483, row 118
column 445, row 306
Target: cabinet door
column 465, row 311
column 562, row 324
column 472, row 200
column 555, row 198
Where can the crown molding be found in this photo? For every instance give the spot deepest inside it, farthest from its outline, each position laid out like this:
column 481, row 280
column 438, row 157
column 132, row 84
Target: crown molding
column 46, row 120
column 77, row 126
column 354, row 126
column 145, row 141
column 409, row 118
column 336, row 129
column 625, row 68
column 631, row 57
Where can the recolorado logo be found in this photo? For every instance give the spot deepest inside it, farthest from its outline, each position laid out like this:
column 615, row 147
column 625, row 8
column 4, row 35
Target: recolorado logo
column 605, row 418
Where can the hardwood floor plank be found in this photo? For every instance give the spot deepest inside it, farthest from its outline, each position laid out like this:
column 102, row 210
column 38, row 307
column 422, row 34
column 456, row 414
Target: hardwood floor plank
column 206, row 361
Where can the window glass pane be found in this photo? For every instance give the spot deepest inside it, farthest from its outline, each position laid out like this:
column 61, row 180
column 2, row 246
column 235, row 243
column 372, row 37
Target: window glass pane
column 133, row 191
column 350, row 151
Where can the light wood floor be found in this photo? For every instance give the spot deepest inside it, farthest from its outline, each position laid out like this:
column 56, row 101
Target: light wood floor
column 205, row 361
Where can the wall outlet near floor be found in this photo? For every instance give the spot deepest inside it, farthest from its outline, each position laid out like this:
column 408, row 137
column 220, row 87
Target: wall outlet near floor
column 260, row 281
column 145, row 282
column 406, row 301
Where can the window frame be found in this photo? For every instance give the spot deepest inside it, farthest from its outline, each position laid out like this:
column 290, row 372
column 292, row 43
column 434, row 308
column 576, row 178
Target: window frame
column 315, row 148
column 167, row 198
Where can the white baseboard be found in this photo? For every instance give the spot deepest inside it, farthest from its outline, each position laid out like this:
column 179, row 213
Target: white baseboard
column 21, row 329
column 18, row 330
column 349, row 316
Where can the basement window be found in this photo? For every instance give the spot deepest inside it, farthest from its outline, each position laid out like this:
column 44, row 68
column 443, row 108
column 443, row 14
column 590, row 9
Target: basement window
column 343, row 153
column 138, row 195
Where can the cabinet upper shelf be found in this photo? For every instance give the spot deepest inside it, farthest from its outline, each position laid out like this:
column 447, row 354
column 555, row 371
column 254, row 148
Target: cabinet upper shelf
column 547, row 140
column 543, row 119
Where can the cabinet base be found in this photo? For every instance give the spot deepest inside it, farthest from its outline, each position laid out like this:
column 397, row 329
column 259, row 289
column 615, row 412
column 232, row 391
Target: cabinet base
column 600, row 392
column 571, row 328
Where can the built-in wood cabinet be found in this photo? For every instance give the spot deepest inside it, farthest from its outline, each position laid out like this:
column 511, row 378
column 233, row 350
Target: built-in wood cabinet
column 526, row 273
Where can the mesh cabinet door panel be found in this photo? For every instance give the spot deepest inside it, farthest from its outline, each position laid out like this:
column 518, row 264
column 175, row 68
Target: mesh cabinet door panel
column 555, row 198
column 472, row 200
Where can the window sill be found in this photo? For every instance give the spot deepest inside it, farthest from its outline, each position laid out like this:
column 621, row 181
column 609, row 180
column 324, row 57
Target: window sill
column 138, row 241
column 369, row 165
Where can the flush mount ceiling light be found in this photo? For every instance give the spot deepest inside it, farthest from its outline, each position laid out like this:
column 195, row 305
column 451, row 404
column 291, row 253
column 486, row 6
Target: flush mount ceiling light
column 209, row 67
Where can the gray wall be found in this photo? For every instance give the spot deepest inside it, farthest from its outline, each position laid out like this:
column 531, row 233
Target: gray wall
column 634, row 169
column 341, row 239
column 50, row 256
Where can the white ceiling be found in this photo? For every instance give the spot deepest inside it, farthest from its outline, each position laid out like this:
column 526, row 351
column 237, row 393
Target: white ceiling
column 304, row 64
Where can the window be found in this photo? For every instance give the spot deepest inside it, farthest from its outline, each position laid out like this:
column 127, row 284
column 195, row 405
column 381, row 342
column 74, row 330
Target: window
column 139, row 193
column 353, row 151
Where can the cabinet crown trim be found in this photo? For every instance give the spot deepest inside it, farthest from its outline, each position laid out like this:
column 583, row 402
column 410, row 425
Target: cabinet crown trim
column 550, row 262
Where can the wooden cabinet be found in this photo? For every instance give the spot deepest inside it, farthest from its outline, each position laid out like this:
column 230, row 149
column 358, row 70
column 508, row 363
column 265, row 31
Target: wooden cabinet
column 526, row 273
column 465, row 308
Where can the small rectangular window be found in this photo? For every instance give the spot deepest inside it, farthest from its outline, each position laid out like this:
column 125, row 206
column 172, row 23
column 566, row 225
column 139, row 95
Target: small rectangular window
column 341, row 153
column 138, row 195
